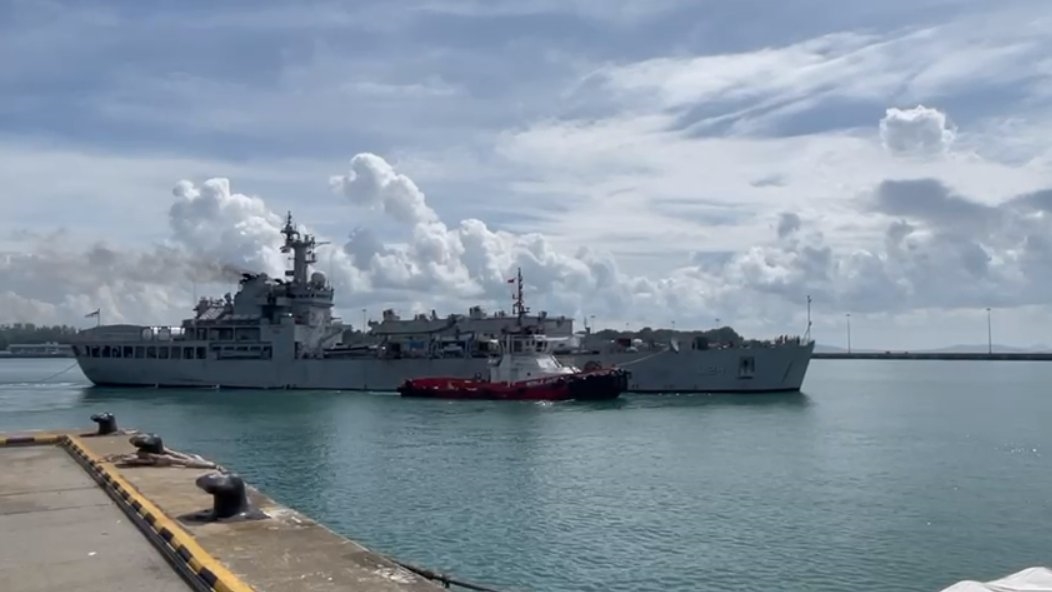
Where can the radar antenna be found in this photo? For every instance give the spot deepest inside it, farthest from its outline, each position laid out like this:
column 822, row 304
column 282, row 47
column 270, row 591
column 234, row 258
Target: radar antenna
column 290, row 232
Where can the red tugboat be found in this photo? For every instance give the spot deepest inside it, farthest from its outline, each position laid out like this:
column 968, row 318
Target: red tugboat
column 525, row 371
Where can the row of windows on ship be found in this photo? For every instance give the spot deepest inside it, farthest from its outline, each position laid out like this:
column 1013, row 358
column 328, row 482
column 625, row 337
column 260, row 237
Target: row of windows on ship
column 201, row 333
column 172, row 352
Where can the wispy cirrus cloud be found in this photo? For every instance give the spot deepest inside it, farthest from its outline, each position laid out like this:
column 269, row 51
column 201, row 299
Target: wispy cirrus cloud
column 772, row 89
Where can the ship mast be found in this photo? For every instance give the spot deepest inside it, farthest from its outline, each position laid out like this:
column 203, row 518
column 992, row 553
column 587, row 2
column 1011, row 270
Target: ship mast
column 519, row 307
column 302, row 251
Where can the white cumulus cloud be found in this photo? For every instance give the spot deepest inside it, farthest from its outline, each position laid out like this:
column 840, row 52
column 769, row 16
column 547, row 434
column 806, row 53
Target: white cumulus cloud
column 937, row 248
column 919, row 131
column 467, row 259
column 231, row 228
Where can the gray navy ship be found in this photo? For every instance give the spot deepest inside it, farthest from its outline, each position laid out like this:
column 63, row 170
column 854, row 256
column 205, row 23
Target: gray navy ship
column 280, row 333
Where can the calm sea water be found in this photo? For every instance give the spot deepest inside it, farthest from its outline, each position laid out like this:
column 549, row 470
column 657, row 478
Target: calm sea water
column 884, row 475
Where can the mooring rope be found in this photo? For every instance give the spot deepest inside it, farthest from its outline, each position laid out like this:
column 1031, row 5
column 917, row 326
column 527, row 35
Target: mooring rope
column 59, row 373
column 443, row 578
column 644, row 358
column 168, row 458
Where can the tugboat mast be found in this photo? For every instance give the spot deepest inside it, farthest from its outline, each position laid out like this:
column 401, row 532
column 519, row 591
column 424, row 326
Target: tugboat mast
column 519, row 307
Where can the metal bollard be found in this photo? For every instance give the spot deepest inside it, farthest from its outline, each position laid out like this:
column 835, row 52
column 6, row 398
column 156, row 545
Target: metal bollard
column 228, row 495
column 107, row 423
column 151, row 443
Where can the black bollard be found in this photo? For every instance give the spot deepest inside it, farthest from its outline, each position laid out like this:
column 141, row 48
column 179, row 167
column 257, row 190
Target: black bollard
column 107, row 423
column 229, row 498
column 151, row 443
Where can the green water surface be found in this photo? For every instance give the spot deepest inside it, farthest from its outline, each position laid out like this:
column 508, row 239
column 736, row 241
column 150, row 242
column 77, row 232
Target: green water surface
column 883, row 475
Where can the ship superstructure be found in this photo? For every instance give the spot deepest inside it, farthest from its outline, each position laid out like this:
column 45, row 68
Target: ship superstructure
column 281, row 333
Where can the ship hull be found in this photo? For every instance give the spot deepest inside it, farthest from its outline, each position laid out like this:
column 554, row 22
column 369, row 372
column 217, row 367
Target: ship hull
column 323, row 374
column 776, row 369
column 757, row 370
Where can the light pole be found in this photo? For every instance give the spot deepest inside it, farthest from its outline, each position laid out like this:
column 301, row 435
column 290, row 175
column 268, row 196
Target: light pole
column 989, row 334
column 848, row 315
column 807, row 335
column 363, row 321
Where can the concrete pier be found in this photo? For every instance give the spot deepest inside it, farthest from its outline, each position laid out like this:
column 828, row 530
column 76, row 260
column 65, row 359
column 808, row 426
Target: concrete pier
column 74, row 517
column 60, row 531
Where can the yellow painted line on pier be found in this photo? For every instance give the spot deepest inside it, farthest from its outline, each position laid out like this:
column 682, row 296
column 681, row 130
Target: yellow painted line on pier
column 31, row 439
column 181, row 543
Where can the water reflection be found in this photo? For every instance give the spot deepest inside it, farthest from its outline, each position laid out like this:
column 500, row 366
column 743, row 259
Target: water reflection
column 240, row 401
column 228, row 401
column 790, row 400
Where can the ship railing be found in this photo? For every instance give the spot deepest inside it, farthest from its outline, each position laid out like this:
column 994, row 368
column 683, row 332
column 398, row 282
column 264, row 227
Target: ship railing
column 227, row 320
column 133, row 333
column 783, row 340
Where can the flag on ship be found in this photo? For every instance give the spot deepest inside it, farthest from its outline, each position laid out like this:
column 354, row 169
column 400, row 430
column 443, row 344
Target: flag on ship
column 511, row 281
column 94, row 313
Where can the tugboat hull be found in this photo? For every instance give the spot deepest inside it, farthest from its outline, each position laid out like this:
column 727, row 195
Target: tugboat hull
column 599, row 385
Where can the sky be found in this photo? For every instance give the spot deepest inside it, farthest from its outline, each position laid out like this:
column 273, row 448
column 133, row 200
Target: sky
column 648, row 163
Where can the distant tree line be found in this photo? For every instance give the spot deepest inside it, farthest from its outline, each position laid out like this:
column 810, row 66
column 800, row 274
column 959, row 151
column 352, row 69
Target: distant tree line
column 30, row 333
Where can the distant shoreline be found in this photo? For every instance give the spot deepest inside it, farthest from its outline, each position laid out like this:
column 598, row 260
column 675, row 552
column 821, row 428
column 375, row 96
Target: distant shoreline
column 1016, row 356
column 9, row 356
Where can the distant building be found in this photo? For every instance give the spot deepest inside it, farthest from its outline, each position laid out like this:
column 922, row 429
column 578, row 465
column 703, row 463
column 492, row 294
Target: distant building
column 38, row 350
